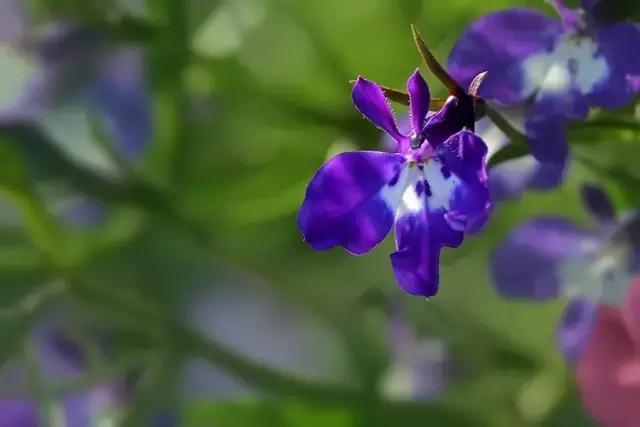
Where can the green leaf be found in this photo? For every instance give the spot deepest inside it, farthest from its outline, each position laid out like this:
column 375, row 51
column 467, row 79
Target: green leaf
column 511, row 151
column 264, row 414
column 14, row 175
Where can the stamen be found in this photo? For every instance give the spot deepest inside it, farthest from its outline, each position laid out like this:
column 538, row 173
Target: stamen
column 417, row 140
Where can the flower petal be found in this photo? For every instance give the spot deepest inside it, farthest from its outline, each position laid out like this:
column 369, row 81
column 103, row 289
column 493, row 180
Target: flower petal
column 620, row 46
column 608, row 372
column 631, row 311
column 453, row 117
column 422, row 230
column 12, row 21
column 597, row 203
column 547, row 139
column 351, row 201
column 419, row 98
column 498, row 43
column 463, row 158
column 528, row 263
column 419, row 238
column 19, row 412
column 510, row 179
column 121, row 97
column 575, row 326
column 369, row 99
column 589, row 5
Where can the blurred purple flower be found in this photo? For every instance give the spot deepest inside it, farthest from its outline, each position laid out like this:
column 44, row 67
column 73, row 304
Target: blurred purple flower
column 420, row 368
column 549, row 257
column 509, row 179
column 78, row 66
column 562, row 67
column 58, row 359
column 433, row 188
column 552, row 71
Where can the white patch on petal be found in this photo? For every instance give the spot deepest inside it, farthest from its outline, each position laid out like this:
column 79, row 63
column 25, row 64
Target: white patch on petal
column 392, row 194
column 411, row 201
column 441, row 188
column 575, row 61
column 402, row 197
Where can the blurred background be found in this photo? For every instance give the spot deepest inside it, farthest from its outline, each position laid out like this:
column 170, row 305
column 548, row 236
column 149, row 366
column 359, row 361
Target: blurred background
column 154, row 155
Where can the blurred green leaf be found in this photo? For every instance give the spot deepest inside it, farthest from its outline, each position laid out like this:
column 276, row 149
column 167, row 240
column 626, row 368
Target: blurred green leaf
column 264, row 414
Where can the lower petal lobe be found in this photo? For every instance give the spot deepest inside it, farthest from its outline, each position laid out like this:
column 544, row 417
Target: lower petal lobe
column 419, row 237
column 348, row 201
column 421, row 231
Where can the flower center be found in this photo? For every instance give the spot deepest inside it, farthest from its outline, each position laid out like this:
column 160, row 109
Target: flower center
column 417, row 140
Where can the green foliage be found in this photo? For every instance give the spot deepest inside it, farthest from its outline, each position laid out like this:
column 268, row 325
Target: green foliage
column 249, row 99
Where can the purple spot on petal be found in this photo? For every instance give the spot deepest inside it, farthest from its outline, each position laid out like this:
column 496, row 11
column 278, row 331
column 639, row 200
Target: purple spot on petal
column 573, row 66
column 419, row 188
column 394, row 180
column 446, row 173
column 427, row 189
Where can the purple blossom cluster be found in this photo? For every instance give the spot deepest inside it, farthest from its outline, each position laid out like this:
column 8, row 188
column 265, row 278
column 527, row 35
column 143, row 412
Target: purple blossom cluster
column 530, row 76
column 536, row 73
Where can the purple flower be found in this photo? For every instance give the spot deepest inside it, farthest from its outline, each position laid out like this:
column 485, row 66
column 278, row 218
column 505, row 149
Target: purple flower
column 59, row 359
column 550, row 257
column 509, row 179
column 78, row 67
column 562, row 67
column 75, row 64
column 433, row 188
column 551, row 70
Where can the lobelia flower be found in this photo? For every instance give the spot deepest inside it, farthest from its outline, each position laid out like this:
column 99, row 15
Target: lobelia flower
column 508, row 179
column 552, row 71
column 608, row 373
column 550, row 257
column 433, row 188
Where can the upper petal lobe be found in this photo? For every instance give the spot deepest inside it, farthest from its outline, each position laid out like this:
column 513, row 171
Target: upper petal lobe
column 369, row 99
column 419, row 100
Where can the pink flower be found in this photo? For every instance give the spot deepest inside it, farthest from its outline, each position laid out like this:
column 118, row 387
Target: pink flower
column 609, row 370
